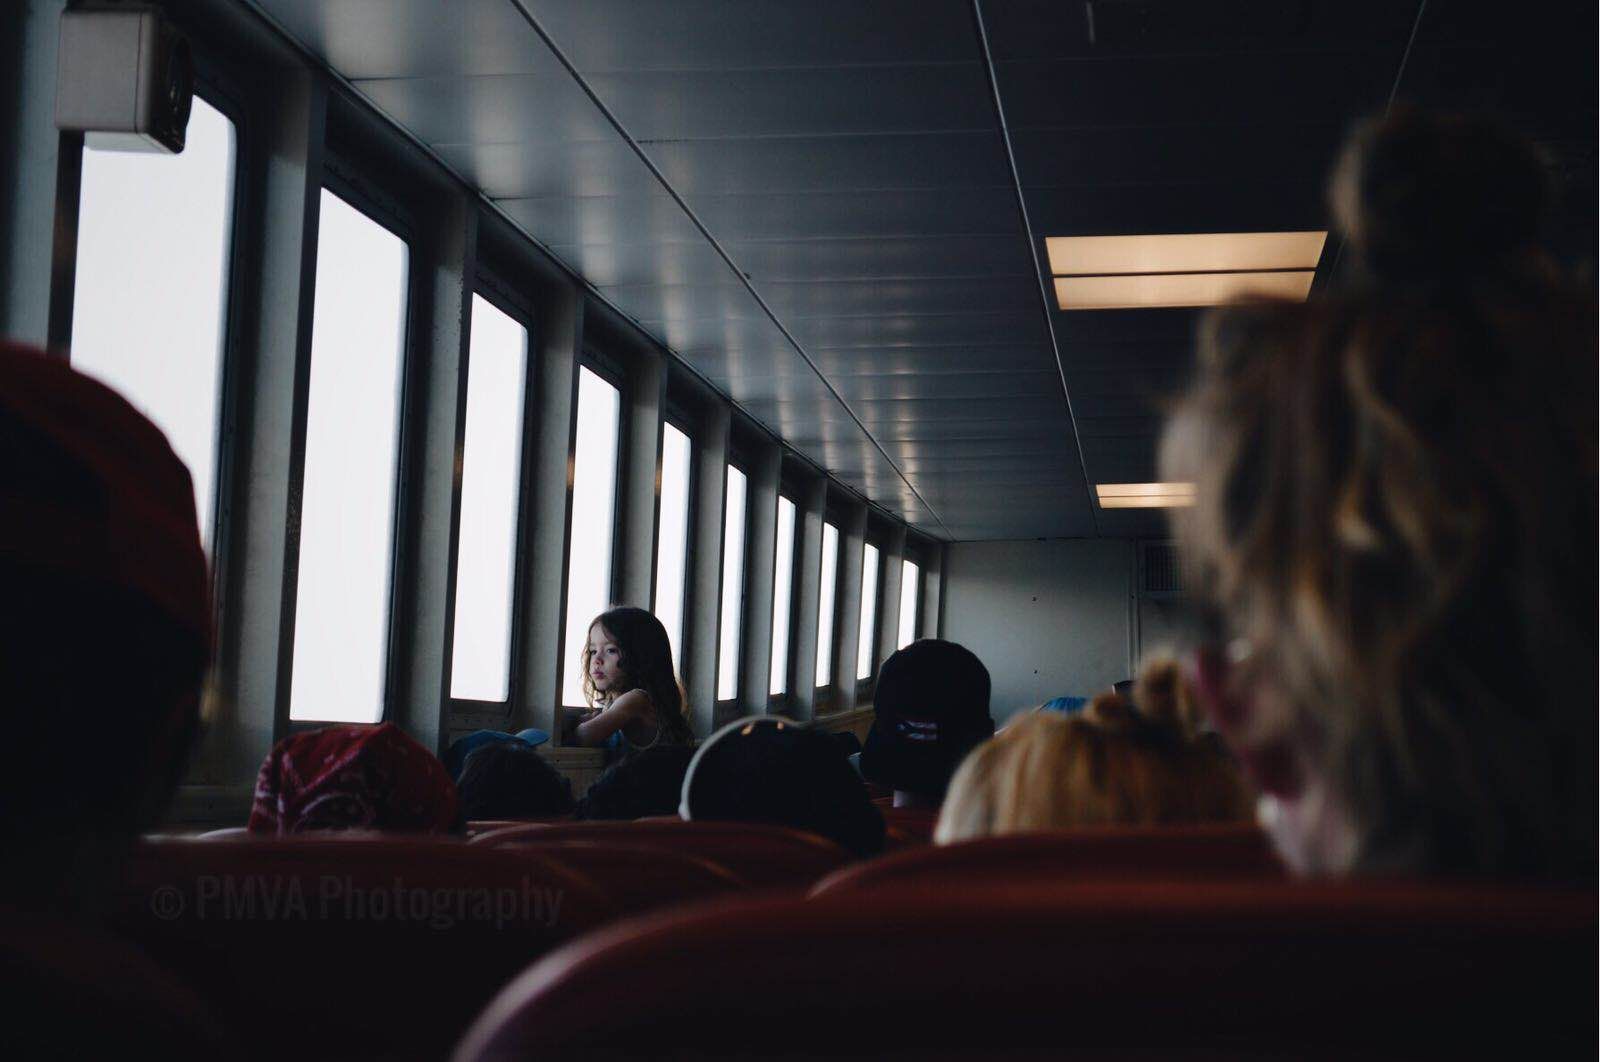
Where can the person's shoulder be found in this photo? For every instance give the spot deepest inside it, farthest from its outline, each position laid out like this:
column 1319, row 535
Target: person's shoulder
column 635, row 702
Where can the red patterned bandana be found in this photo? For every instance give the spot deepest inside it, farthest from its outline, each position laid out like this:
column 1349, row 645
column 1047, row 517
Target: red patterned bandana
column 353, row 777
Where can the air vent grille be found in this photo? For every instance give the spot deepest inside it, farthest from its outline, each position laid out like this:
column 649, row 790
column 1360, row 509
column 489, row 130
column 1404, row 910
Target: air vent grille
column 1162, row 572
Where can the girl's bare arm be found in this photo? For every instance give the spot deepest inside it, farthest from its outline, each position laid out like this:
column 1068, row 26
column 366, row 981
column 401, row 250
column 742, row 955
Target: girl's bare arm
column 630, row 706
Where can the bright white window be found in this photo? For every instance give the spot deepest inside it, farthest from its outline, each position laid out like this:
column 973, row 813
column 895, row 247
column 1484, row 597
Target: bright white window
column 825, row 617
column 865, row 650
column 910, row 598
column 486, row 545
column 672, row 544
column 152, row 282
column 782, row 596
column 732, row 587
column 347, row 495
column 594, row 498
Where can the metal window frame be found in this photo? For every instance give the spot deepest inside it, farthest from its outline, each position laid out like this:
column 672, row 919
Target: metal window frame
column 487, row 284
column 614, row 372
column 345, row 174
column 680, row 417
column 736, row 459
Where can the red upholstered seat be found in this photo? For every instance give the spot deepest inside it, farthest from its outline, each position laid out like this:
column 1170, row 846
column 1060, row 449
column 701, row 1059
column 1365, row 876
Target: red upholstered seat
column 759, row 854
column 74, row 992
column 227, row 833
column 1181, row 851
column 336, row 947
column 635, row 878
column 477, row 826
column 1101, row 969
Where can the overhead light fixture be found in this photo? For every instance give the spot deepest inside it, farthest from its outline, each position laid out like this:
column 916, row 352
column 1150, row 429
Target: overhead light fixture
column 1165, row 290
column 1144, row 495
column 1181, row 269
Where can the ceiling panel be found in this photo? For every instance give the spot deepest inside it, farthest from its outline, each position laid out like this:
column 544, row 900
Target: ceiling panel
column 793, row 300
column 916, row 255
column 916, row 331
column 797, row 101
column 758, row 216
column 532, row 171
column 1209, row 154
column 1042, row 29
column 834, row 162
column 1169, row 90
column 949, row 386
column 606, row 35
column 539, row 108
column 931, row 360
column 415, row 38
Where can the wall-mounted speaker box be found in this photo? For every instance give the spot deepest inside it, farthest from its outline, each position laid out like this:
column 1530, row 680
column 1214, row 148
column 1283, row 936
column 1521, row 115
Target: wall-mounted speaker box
column 124, row 78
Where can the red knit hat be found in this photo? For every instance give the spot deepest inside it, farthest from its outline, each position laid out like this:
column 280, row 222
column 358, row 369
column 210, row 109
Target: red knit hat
column 353, row 777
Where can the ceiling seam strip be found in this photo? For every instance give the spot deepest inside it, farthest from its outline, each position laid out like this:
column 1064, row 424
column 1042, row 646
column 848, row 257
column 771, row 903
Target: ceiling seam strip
column 1388, row 105
column 583, row 282
column 727, row 259
column 1038, row 269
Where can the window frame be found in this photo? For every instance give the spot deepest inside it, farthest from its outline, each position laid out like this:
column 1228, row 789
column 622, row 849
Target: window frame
column 735, row 459
column 614, row 372
column 676, row 415
column 214, row 85
column 344, row 177
column 217, row 85
column 487, row 285
column 826, row 696
column 877, row 538
column 786, row 493
column 913, row 554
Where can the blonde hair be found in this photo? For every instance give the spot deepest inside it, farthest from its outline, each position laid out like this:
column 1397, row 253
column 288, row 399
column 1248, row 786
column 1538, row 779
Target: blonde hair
column 1046, row 771
column 1395, row 509
column 1163, row 693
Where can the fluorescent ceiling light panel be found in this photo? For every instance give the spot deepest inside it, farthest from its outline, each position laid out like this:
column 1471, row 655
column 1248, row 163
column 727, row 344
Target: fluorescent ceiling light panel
column 1155, row 290
column 1200, row 252
column 1144, row 495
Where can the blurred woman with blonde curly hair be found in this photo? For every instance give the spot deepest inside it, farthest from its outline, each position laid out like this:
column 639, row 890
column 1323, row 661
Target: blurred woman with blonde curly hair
column 1394, row 526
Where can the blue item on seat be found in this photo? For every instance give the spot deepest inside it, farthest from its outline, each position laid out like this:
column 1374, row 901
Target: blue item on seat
column 534, row 736
column 1065, row 705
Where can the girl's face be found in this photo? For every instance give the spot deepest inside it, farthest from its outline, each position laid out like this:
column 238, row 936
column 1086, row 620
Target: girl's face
column 605, row 660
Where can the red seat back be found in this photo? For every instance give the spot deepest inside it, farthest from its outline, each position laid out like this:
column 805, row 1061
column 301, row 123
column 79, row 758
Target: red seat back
column 759, row 854
column 1183, row 851
column 1102, row 969
column 635, row 878
column 73, row 992
column 349, row 947
column 477, row 826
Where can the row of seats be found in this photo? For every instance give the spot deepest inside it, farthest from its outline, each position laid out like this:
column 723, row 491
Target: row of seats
column 334, row 928
column 1131, row 969
column 387, row 945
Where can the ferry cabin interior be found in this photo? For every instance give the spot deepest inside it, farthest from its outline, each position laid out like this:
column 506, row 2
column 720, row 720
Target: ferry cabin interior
column 473, row 317
column 762, row 294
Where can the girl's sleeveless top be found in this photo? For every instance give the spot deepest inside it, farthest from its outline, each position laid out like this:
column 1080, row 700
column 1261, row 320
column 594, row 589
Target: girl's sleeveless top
column 624, row 747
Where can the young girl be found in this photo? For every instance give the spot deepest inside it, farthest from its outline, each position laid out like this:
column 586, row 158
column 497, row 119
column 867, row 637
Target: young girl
column 630, row 684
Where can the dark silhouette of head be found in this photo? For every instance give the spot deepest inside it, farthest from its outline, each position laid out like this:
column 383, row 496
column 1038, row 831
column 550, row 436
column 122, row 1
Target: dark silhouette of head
column 510, row 780
column 644, row 785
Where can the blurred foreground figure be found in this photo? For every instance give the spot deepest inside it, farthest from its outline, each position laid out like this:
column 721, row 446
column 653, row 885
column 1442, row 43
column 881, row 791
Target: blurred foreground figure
column 105, row 626
column 1395, row 525
column 105, row 632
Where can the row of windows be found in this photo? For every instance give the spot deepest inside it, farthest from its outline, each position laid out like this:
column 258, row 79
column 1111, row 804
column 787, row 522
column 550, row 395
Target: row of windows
column 153, row 251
